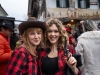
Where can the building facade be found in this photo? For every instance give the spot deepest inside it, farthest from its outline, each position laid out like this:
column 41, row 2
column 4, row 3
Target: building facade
column 66, row 10
column 33, row 8
column 2, row 11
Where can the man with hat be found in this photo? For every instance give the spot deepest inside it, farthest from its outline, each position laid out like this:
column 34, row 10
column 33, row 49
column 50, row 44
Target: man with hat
column 6, row 30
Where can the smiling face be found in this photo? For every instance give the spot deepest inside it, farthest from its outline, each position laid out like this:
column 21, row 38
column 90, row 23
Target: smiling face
column 35, row 36
column 53, row 34
column 32, row 37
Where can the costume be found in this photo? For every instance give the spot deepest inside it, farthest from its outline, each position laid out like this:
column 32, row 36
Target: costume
column 61, row 62
column 89, row 48
column 5, row 53
column 62, row 66
column 22, row 63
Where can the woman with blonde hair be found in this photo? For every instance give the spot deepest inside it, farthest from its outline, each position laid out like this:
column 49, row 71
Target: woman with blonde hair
column 24, row 59
column 52, row 60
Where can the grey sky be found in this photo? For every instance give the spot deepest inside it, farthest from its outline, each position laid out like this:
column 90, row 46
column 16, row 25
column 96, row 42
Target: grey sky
column 15, row 8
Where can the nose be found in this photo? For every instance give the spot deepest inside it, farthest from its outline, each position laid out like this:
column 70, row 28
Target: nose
column 36, row 35
column 52, row 33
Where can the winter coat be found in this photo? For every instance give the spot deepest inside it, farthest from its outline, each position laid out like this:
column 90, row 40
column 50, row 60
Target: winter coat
column 5, row 53
column 89, row 48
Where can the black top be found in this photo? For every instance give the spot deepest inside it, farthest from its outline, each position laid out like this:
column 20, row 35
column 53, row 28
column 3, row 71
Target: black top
column 49, row 65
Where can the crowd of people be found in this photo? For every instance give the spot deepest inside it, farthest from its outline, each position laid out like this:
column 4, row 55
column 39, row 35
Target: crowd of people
column 40, row 48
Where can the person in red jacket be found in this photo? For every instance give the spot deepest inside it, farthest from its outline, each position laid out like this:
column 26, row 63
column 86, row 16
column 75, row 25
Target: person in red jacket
column 6, row 30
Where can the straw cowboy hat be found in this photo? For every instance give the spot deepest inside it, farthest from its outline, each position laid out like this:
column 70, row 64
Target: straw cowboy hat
column 31, row 23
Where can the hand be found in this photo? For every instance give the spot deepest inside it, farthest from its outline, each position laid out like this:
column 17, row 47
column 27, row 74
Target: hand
column 71, row 62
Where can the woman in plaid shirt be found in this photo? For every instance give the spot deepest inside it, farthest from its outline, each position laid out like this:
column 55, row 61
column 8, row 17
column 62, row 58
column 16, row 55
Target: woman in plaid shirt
column 52, row 60
column 24, row 59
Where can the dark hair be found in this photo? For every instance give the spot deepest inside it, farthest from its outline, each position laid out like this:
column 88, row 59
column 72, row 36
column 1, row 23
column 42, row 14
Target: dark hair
column 99, row 25
column 4, row 28
column 89, row 25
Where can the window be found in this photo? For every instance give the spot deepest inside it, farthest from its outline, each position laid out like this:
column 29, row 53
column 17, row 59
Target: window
column 99, row 3
column 62, row 3
column 83, row 3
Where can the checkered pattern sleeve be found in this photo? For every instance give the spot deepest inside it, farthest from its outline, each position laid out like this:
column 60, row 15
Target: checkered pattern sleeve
column 16, row 63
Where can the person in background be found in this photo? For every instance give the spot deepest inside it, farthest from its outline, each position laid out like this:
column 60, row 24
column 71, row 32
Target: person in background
column 78, row 31
column 6, row 30
column 99, row 26
column 13, row 39
column 24, row 59
column 19, row 42
column 52, row 60
column 72, row 40
column 88, row 47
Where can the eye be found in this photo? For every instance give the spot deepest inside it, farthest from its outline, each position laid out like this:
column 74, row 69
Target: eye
column 39, row 33
column 49, row 31
column 31, row 33
column 56, row 31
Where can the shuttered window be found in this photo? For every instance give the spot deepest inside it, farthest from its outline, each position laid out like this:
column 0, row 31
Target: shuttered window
column 83, row 3
column 79, row 3
column 67, row 3
column 99, row 3
column 62, row 3
column 57, row 3
column 87, row 3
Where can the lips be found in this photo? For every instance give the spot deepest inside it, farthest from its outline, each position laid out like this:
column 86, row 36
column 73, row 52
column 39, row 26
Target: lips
column 52, row 38
column 36, row 41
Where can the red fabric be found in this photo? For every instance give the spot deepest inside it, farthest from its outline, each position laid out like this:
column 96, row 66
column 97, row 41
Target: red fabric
column 68, row 29
column 22, row 63
column 71, row 49
column 9, row 40
column 5, row 53
column 61, row 60
column 70, row 40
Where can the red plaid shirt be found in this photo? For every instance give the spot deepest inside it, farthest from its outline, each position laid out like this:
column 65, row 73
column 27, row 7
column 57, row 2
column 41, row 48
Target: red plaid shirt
column 22, row 63
column 61, row 61
column 62, row 66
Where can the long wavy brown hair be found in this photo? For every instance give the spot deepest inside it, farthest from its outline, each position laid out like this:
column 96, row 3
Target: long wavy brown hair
column 61, row 30
column 28, row 44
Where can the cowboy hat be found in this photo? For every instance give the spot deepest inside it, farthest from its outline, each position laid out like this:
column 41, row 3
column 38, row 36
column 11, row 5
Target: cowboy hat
column 31, row 22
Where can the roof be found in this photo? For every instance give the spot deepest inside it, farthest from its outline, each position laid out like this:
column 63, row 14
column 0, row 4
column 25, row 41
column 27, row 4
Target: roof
column 3, row 9
column 7, row 18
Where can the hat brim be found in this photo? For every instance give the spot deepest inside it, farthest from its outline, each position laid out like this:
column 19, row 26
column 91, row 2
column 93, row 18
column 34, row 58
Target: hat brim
column 31, row 24
column 7, row 27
